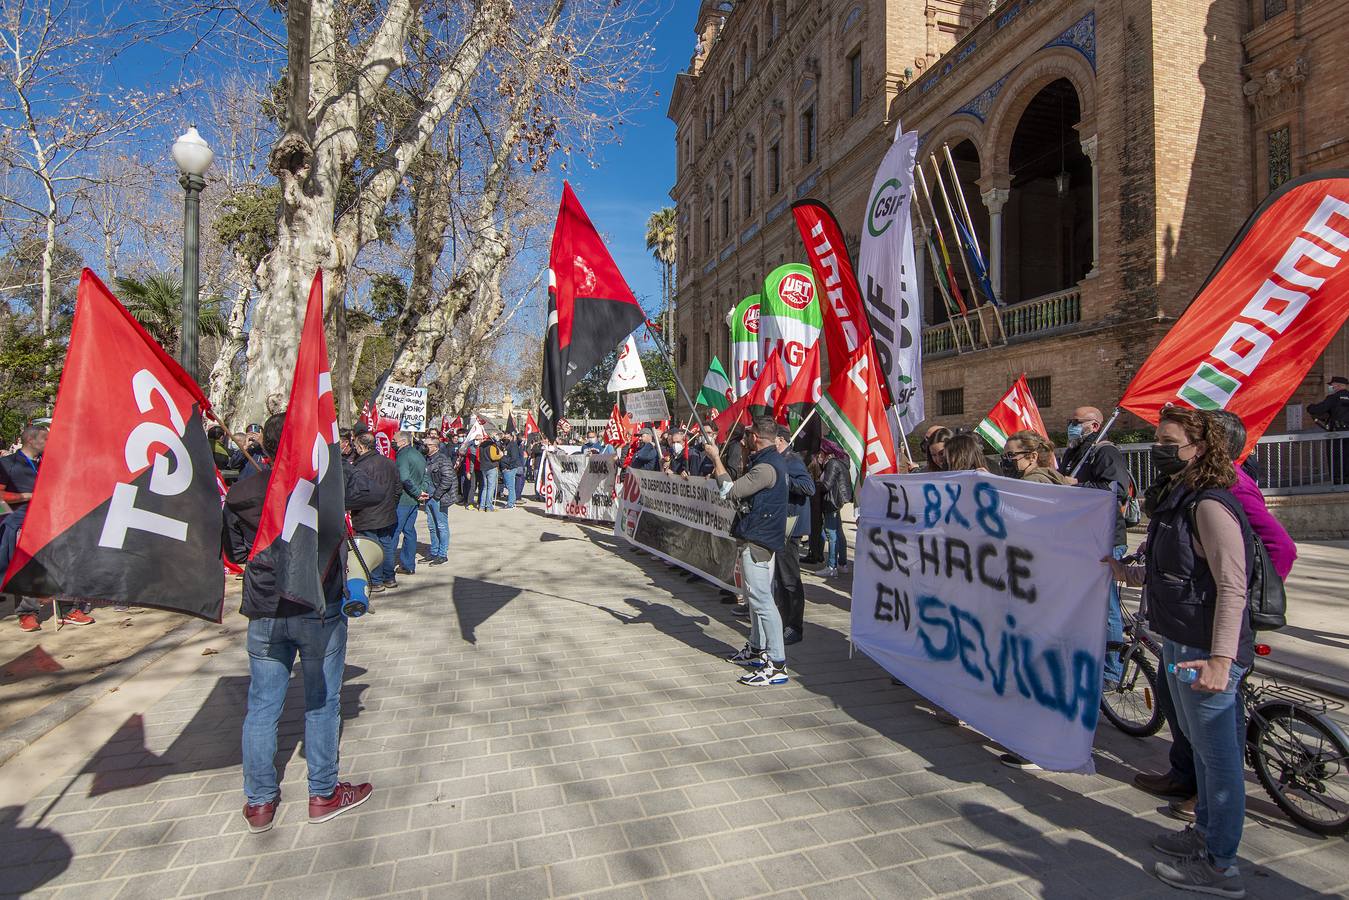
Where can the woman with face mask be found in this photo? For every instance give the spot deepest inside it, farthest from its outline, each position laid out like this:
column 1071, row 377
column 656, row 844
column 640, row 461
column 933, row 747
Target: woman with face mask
column 1030, row 457
column 1198, row 563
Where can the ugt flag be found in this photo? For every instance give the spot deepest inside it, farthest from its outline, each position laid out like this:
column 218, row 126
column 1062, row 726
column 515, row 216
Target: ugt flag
column 853, row 411
column 126, row 507
column 766, row 394
column 590, row 308
column 743, row 321
column 628, row 372
column 804, row 391
column 302, row 525
column 716, row 390
column 789, row 316
column 1016, row 411
column 1275, row 299
column 888, row 275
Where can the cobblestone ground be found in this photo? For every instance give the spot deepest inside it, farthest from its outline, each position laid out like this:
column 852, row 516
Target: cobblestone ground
column 550, row 715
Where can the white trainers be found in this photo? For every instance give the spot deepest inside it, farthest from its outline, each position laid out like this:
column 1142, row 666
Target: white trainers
column 827, row 572
column 765, row 676
column 745, row 656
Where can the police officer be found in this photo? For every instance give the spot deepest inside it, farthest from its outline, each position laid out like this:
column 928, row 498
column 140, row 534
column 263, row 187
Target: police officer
column 1332, row 414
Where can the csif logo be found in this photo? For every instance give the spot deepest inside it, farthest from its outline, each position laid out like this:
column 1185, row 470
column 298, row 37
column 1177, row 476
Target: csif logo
column 884, row 207
column 796, row 290
column 751, row 319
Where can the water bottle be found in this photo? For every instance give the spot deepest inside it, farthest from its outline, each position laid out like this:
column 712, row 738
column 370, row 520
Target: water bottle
column 357, row 603
column 1184, row 676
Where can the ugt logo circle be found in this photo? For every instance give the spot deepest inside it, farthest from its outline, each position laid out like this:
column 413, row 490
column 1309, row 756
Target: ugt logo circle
column 796, row 290
column 884, row 206
column 751, row 319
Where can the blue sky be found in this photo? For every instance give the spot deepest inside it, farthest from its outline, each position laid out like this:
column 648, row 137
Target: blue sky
column 634, row 177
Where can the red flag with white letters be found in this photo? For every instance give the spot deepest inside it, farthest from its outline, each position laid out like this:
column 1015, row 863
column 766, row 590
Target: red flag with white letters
column 302, row 525
column 126, row 506
column 1016, row 411
column 1266, row 313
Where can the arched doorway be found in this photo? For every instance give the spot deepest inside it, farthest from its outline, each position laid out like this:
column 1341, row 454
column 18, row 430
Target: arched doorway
column 965, row 155
column 1047, row 232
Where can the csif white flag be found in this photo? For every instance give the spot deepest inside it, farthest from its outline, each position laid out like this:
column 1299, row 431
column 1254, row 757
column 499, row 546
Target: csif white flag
column 628, row 373
column 888, row 277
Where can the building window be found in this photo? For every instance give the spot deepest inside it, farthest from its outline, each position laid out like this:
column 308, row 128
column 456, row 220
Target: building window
column 1280, row 159
column 707, row 235
column 1040, row 392
column 708, row 122
column 726, row 216
column 808, row 135
column 748, row 54
column 775, row 168
column 688, row 151
column 952, row 402
column 1274, row 7
column 683, row 349
column 685, row 260
column 855, row 83
column 747, row 184
column 707, row 347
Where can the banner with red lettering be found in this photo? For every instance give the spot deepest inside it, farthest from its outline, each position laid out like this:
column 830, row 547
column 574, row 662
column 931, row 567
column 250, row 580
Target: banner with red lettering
column 1273, row 302
column 126, row 507
column 854, row 413
column 789, row 316
column 743, row 320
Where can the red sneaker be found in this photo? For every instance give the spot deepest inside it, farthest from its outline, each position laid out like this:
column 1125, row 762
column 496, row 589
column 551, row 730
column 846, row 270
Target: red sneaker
column 76, row 617
column 29, row 622
column 260, row 817
column 344, row 797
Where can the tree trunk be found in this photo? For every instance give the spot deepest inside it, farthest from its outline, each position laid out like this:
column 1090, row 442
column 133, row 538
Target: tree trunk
column 223, row 386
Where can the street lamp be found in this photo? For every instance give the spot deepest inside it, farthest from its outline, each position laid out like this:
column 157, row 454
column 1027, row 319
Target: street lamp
column 193, row 158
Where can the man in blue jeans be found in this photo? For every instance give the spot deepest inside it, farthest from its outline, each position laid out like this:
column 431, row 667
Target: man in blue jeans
column 415, row 490
column 378, row 521
column 278, row 631
column 512, row 467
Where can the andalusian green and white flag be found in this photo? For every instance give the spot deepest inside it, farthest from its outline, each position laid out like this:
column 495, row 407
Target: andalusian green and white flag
column 716, row 391
column 789, row 316
column 743, row 321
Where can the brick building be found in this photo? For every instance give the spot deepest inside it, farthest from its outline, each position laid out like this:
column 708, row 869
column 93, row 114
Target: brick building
column 1109, row 151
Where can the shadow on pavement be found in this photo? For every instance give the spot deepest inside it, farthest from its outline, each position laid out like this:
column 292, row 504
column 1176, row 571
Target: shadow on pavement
column 46, row 854
column 477, row 601
column 211, row 740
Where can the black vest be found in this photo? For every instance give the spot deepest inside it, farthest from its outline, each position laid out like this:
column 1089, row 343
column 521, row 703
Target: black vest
column 1182, row 596
column 763, row 516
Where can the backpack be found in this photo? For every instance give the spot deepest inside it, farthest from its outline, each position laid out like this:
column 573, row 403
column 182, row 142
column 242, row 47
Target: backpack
column 1266, row 599
column 494, row 452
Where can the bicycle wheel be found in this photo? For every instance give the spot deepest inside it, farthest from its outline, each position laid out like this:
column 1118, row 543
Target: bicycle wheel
column 1132, row 706
column 1303, row 764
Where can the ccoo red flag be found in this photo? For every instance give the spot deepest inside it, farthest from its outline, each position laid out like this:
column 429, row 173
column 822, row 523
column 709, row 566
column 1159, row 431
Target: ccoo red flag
column 303, row 523
column 591, row 309
column 1016, row 411
column 1266, row 313
column 126, row 506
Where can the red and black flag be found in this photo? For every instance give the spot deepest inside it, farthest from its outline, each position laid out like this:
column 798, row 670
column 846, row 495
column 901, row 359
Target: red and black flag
column 302, row 525
column 126, row 507
column 591, row 309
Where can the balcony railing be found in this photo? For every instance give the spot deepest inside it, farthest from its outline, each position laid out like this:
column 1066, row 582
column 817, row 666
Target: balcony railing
column 1312, row 463
column 1021, row 321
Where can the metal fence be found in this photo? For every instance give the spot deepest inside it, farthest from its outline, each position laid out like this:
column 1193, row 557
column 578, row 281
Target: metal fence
column 1313, row 463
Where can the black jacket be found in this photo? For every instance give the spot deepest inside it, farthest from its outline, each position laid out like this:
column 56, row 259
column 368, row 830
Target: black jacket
column 835, row 484
column 800, row 488
column 1106, row 470
column 1332, row 412
column 381, row 476
column 444, row 482
column 515, row 456
column 243, row 512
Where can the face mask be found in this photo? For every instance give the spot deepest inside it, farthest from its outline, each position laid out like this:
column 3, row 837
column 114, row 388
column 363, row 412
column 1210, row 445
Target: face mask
column 1009, row 467
column 1075, row 431
column 1166, row 459
column 678, row 446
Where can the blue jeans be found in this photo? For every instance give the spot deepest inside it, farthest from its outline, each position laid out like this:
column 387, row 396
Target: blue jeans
column 407, row 527
column 511, row 477
column 388, row 543
column 489, row 488
column 321, row 643
column 438, row 524
column 1114, row 624
column 1210, row 722
column 765, row 622
column 833, row 539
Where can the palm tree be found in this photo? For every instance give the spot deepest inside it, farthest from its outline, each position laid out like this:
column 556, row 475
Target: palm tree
column 156, row 302
column 660, row 240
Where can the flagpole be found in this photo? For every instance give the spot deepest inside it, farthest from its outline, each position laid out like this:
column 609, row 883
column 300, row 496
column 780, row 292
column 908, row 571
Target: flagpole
column 960, row 250
column 945, row 268
column 959, row 191
column 804, row 423
column 669, row 360
column 951, row 312
column 1100, row 436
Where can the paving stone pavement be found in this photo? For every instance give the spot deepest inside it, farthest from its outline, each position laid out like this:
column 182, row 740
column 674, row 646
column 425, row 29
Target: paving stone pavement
column 550, row 715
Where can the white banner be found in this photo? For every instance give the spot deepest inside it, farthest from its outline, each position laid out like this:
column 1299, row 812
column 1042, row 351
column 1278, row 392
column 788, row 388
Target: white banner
column 888, row 277
column 628, row 372
column 578, row 487
column 987, row 595
column 405, row 403
column 682, row 520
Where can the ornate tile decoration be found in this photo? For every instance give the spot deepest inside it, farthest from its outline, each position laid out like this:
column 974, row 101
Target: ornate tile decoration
column 979, row 107
column 1081, row 37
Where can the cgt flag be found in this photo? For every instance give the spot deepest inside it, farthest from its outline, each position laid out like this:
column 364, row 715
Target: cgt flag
column 126, row 507
column 590, row 308
column 1016, row 411
column 628, row 372
column 853, row 400
column 531, row 427
column 303, row 525
column 1266, row 313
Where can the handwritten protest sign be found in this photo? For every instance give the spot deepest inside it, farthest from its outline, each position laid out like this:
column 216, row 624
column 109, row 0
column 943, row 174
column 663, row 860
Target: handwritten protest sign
column 647, row 406
column 682, row 521
column 404, row 403
column 987, row 596
column 579, row 487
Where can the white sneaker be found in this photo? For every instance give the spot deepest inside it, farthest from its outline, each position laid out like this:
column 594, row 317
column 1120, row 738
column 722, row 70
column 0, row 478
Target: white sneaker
column 745, row 656
column 827, row 572
column 766, row 676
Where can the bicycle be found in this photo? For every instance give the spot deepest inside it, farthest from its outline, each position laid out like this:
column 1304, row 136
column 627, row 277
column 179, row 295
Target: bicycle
column 1299, row 754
